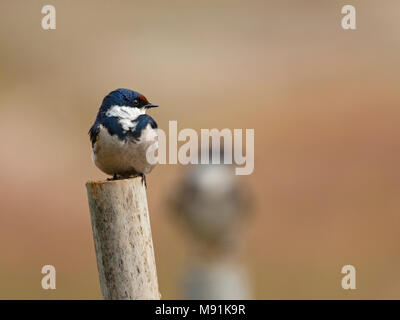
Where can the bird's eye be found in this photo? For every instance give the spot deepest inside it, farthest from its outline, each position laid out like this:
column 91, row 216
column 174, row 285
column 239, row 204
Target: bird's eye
column 135, row 101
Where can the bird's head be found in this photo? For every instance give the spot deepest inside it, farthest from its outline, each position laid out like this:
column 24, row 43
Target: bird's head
column 126, row 98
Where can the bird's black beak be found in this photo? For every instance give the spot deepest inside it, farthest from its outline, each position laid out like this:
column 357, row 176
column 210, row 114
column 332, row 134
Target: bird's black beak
column 151, row 105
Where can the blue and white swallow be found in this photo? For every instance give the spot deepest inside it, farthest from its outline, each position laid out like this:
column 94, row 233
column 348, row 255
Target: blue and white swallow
column 122, row 135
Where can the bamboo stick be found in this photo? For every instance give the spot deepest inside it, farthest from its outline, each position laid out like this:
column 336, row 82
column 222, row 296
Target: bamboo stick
column 122, row 238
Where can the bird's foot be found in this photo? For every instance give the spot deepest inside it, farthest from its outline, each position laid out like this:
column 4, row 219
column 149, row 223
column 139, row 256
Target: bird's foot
column 115, row 177
column 143, row 179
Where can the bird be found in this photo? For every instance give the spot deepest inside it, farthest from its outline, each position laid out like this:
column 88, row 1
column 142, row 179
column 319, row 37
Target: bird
column 122, row 134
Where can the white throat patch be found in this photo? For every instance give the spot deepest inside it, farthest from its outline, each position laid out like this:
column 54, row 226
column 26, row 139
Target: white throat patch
column 125, row 115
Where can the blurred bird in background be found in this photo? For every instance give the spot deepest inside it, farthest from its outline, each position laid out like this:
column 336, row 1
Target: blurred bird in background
column 122, row 134
column 211, row 204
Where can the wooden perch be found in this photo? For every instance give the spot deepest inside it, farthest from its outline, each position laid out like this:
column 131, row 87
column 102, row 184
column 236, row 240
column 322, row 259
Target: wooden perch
column 122, row 238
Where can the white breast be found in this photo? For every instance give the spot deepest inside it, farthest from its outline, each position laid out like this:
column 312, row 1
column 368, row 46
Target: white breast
column 125, row 115
column 113, row 156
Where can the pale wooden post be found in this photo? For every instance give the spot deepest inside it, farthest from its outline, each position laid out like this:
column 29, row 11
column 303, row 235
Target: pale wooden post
column 122, row 239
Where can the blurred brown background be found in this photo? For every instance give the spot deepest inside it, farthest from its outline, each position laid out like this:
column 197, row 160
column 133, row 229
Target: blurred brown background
column 324, row 103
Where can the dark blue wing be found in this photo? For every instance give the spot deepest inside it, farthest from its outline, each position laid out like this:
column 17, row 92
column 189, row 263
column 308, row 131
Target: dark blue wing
column 94, row 132
column 111, row 124
column 114, row 127
column 141, row 123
